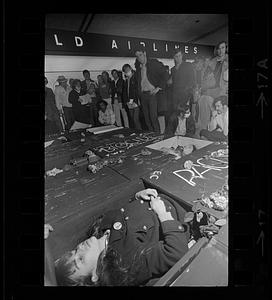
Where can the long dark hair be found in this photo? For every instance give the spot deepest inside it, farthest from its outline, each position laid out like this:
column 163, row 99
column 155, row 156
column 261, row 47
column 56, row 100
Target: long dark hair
column 108, row 80
column 110, row 267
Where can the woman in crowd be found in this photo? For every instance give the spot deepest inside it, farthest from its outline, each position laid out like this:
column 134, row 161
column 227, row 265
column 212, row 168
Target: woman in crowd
column 131, row 96
column 104, row 86
column 128, row 246
column 81, row 111
column 106, row 114
column 181, row 122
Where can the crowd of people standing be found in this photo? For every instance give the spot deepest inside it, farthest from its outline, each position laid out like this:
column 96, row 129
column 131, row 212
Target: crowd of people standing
column 191, row 98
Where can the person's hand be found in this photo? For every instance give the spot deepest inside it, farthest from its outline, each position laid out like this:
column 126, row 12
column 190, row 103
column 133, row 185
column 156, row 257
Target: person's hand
column 214, row 113
column 146, row 194
column 155, row 91
column 159, row 208
column 158, row 205
column 47, row 229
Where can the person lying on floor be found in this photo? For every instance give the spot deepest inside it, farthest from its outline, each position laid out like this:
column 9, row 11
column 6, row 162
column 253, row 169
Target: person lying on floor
column 128, row 246
column 181, row 122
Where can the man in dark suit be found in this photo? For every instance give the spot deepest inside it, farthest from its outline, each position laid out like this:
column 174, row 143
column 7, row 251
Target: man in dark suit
column 183, row 79
column 131, row 96
column 151, row 76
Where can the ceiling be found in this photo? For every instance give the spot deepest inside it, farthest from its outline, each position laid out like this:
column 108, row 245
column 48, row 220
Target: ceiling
column 207, row 29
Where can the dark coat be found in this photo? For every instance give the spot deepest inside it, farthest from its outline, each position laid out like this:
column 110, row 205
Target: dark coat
column 183, row 82
column 173, row 124
column 133, row 90
column 117, row 89
column 81, row 112
column 161, row 244
column 51, row 110
column 155, row 72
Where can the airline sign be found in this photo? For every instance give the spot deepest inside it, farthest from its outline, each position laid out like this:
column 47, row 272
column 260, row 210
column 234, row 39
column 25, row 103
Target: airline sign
column 61, row 42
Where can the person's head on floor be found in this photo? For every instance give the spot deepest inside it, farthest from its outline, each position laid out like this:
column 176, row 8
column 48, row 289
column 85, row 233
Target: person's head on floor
column 127, row 70
column 62, row 81
column 84, row 264
column 183, row 111
column 220, row 104
column 86, row 74
column 141, row 55
column 102, row 105
column 188, row 149
column 221, row 49
column 76, row 85
column 178, row 56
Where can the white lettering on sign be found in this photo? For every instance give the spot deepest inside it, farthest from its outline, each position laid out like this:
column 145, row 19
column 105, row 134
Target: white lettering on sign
column 154, row 47
column 195, row 50
column 56, row 40
column 138, row 140
column 176, row 46
column 186, row 49
column 166, row 47
column 194, row 172
column 79, row 41
column 113, row 44
column 142, row 43
column 129, row 45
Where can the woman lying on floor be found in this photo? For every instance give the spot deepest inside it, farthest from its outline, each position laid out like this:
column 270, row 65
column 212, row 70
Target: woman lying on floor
column 128, row 246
